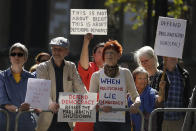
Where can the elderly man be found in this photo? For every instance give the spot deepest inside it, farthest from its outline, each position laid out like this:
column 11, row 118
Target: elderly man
column 177, row 95
column 64, row 78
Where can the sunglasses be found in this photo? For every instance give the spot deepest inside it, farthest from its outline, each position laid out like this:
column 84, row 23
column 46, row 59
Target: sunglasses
column 18, row 54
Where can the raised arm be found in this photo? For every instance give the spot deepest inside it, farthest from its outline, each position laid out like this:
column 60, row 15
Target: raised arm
column 84, row 56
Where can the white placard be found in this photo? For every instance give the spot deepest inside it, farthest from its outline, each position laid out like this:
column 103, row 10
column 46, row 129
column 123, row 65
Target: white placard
column 38, row 93
column 112, row 93
column 83, row 21
column 170, row 37
column 77, row 107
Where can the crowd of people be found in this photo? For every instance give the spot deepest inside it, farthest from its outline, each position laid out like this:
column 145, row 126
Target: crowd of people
column 146, row 88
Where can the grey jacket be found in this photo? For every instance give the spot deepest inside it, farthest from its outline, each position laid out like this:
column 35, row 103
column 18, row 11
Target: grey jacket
column 71, row 83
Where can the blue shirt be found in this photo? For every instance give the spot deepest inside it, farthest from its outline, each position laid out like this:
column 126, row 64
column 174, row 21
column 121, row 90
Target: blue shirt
column 14, row 93
column 175, row 95
column 147, row 98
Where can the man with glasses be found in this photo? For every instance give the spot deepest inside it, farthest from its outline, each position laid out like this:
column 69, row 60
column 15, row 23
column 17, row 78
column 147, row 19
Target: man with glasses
column 64, row 78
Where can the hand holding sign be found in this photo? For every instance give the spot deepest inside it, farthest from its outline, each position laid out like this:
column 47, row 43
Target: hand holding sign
column 38, row 92
column 87, row 38
column 77, row 107
column 54, row 107
column 84, row 21
column 24, row 107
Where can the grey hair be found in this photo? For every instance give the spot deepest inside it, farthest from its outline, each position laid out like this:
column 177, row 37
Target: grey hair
column 21, row 47
column 146, row 51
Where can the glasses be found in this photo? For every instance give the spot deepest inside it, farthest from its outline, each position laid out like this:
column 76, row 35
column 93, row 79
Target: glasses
column 145, row 61
column 18, row 54
column 109, row 53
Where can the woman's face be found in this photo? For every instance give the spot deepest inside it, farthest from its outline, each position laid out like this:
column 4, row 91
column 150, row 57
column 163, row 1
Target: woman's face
column 17, row 57
column 141, row 81
column 98, row 56
column 111, row 57
column 147, row 62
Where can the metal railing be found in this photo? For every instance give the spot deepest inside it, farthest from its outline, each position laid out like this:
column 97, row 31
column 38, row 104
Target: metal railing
column 7, row 119
column 167, row 110
column 20, row 113
column 113, row 109
column 128, row 109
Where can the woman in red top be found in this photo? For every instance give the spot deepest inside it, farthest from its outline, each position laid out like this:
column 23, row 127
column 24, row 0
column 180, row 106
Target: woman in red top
column 86, row 69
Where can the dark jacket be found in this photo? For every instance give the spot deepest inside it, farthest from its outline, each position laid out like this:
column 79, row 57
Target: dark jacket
column 190, row 118
column 186, row 93
column 186, row 83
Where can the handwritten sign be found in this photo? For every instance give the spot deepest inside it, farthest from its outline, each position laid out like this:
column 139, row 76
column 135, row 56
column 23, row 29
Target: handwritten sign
column 84, row 21
column 77, row 107
column 112, row 93
column 38, row 92
column 170, row 37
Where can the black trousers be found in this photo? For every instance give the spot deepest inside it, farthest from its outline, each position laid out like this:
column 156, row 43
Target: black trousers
column 113, row 126
column 58, row 126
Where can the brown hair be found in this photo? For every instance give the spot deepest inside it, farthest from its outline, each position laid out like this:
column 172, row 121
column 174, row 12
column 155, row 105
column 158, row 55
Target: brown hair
column 139, row 70
column 38, row 56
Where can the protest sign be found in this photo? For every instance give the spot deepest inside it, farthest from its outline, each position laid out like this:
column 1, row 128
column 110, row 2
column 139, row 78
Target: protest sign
column 83, row 21
column 38, row 93
column 112, row 93
column 77, row 107
column 170, row 37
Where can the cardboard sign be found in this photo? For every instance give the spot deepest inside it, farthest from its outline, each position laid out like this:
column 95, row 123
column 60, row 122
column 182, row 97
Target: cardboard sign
column 112, row 93
column 170, row 37
column 83, row 21
column 77, row 107
column 38, row 93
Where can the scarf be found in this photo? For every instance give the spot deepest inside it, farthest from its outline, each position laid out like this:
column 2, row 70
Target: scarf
column 111, row 71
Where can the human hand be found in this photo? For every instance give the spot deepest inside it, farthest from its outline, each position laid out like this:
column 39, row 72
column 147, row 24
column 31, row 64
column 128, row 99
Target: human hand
column 24, row 107
column 107, row 109
column 11, row 108
column 36, row 110
column 54, row 107
column 161, row 96
column 88, row 37
column 162, row 85
column 134, row 108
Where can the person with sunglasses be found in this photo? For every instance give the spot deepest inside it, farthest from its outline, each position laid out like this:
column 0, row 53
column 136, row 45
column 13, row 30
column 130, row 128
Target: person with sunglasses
column 13, row 87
